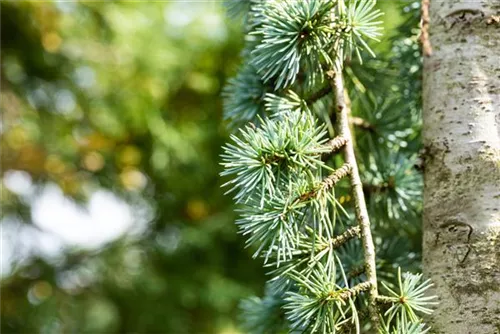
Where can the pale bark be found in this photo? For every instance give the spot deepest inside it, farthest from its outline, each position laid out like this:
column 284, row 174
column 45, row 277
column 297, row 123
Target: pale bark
column 342, row 111
column 462, row 166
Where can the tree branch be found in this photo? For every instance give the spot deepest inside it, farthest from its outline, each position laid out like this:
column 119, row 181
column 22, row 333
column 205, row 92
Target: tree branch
column 424, row 29
column 336, row 143
column 350, row 293
column 356, row 271
column 361, row 123
column 383, row 300
column 358, row 196
column 318, row 95
column 328, row 183
column 336, row 176
column 341, row 239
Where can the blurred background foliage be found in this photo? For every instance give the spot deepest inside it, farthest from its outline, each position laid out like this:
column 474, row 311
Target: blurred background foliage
column 113, row 219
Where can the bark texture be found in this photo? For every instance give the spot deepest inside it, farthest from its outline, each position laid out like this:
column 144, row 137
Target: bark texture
column 342, row 111
column 462, row 166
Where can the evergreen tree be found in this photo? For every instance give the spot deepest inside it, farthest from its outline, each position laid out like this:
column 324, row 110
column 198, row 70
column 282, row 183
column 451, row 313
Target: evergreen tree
column 323, row 167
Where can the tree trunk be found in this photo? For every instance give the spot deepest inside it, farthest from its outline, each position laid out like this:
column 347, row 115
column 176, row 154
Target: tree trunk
column 462, row 166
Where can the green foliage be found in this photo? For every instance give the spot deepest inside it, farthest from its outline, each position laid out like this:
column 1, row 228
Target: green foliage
column 272, row 154
column 238, row 8
column 243, row 97
column 122, row 98
column 295, row 209
column 277, row 105
column 319, row 305
column 308, row 35
column 273, row 167
column 394, row 187
column 403, row 327
column 294, row 34
column 264, row 316
column 356, row 23
column 410, row 298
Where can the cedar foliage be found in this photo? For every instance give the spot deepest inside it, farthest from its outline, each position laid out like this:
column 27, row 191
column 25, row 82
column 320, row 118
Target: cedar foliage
column 302, row 180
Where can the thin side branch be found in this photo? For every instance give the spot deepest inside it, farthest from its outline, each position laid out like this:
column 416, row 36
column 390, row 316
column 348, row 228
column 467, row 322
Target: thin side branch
column 358, row 196
column 350, row 233
column 369, row 188
column 350, row 293
column 361, row 123
column 337, row 143
column 328, row 183
column 424, row 29
column 385, row 300
column 336, row 176
column 318, row 95
column 356, row 271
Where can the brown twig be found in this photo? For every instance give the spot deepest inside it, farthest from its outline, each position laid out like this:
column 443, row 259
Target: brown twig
column 328, row 183
column 424, row 29
column 318, row 95
column 349, row 293
column 356, row 271
column 336, row 143
column 336, row 176
column 361, row 123
column 341, row 239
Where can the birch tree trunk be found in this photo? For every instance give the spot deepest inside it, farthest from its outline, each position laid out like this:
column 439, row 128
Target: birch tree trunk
column 462, row 166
